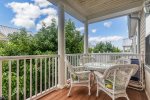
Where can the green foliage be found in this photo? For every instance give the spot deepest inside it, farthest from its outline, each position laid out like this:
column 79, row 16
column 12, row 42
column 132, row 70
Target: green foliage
column 105, row 47
column 46, row 39
column 74, row 39
column 43, row 42
column 20, row 43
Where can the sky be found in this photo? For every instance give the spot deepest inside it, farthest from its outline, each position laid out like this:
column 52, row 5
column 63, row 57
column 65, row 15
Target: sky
column 30, row 14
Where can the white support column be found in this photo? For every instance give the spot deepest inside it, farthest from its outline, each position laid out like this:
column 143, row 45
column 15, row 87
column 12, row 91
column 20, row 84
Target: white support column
column 138, row 38
column 85, row 38
column 61, row 47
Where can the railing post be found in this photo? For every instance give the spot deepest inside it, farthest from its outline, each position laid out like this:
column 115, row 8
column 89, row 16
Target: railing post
column 1, row 78
column 61, row 47
column 85, row 37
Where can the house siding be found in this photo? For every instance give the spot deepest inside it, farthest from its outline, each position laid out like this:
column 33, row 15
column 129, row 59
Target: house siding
column 143, row 32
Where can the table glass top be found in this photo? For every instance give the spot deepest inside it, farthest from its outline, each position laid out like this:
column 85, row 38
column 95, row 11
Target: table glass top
column 99, row 65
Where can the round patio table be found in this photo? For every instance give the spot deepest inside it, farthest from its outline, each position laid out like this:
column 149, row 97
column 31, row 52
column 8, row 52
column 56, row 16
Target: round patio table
column 96, row 66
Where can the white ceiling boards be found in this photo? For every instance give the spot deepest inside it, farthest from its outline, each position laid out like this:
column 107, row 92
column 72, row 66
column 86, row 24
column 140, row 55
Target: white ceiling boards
column 96, row 10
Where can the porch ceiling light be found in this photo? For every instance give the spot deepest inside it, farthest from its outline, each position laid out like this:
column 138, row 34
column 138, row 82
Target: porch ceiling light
column 147, row 6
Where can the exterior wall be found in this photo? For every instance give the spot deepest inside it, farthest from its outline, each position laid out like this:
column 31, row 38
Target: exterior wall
column 147, row 78
column 142, row 33
column 145, row 24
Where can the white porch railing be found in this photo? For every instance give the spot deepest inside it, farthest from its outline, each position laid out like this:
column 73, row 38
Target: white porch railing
column 27, row 77
column 30, row 77
column 74, row 59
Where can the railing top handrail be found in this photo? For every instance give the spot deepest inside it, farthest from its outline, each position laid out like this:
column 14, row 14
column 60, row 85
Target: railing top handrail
column 117, row 53
column 120, row 53
column 74, row 54
column 55, row 55
column 26, row 57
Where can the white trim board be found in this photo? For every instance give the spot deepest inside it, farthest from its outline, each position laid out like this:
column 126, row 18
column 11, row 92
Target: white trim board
column 147, row 68
column 147, row 95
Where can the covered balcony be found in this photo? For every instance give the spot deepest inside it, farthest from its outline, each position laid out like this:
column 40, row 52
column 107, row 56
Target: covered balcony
column 52, row 69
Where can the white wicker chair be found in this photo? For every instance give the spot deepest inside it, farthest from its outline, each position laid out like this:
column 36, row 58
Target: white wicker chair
column 79, row 76
column 115, row 80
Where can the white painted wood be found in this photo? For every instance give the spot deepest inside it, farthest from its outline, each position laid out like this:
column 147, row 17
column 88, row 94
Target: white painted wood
column 55, row 71
column 30, row 78
column 75, row 5
column 147, row 75
column 1, row 78
column 61, row 46
column 85, row 38
column 49, row 72
column 9, row 94
column 142, row 33
column 68, row 8
column 17, row 79
column 147, row 25
column 24, row 79
column 96, row 17
column 30, row 60
column 95, row 10
column 45, row 74
column 26, row 57
column 147, row 67
column 36, row 77
column 40, row 75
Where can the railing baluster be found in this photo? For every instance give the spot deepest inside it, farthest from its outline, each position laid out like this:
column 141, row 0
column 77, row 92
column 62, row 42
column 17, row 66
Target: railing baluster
column 66, row 74
column 50, row 80
column 9, row 96
column 17, row 79
column 1, row 78
column 77, row 60
column 40, row 75
column 45, row 73
column 52, row 71
column 55, row 71
column 36, row 77
column 49, row 72
column 24, row 79
column 30, row 78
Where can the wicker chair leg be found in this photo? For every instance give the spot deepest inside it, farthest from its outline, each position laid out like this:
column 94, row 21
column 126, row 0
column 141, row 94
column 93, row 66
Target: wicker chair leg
column 97, row 92
column 89, row 85
column 69, row 91
column 89, row 91
column 113, row 98
column 127, row 97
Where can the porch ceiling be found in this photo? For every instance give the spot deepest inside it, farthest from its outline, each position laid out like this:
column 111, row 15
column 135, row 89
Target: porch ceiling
column 96, row 10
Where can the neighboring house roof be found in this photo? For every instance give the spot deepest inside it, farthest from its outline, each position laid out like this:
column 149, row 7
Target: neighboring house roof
column 4, row 30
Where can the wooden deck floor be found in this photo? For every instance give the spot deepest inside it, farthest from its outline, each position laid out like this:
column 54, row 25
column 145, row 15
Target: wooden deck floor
column 80, row 93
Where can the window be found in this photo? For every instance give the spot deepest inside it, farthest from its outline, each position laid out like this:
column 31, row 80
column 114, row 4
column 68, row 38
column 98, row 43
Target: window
column 147, row 54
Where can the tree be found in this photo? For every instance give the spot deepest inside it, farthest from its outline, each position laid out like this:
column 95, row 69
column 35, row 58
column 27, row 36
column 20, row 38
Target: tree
column 74, row 39
column 46, row 39
column 20, row 43
column 105, row 47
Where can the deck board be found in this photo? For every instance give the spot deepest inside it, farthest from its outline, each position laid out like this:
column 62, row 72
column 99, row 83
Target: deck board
column 81, row 93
